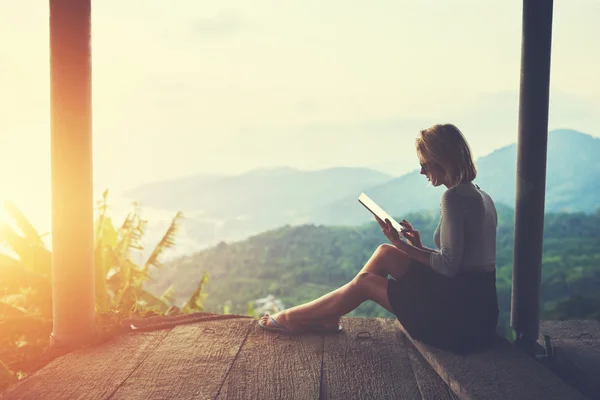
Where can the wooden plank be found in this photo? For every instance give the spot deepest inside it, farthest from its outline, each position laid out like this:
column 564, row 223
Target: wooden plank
column 432, row 387
column 88, row 374
column 567, row 330
column 576, row 346
column 374, row 367
column 272, row 366
column 190, row 363
column 502, row 372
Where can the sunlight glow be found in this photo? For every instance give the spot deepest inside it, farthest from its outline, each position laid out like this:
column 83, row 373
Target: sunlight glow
column 200, row 88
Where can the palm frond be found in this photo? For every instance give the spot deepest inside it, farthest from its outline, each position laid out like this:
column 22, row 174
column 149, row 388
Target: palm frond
column 32, row 255
column 151, row 303
column 14, row 276
column 125, row 236
column 7, row 261
column 29, row 232
column 168, row 295
column 166, row 242
column 101, row 267
column 13, row 241
column 196, row 300
column 10, row 310
column 103, row 209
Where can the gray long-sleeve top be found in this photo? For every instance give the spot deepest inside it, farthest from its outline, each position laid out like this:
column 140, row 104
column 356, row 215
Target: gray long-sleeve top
column 466, row 234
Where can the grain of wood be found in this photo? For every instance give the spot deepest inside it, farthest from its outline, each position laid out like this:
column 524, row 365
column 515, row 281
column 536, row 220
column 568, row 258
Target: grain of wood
column 576, row 345
column 571, row 330
column 432, row 387
column 272, row 366
column 190, row 363
column 374, row 367
column 88, row 374
column 501, row 372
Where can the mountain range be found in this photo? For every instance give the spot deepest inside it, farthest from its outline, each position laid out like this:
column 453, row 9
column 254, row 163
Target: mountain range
column 225, row 208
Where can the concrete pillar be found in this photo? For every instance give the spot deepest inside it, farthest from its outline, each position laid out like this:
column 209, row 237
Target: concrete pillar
column 531, row 171
column 71, row 161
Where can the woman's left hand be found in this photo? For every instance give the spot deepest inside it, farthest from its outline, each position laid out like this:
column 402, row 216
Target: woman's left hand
column 388, row 230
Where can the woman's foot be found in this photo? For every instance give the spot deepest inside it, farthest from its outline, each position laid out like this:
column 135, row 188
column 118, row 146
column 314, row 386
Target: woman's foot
column 282, row 321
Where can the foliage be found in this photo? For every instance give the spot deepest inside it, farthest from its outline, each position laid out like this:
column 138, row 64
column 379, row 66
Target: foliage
column 26, row 289
column 196, row 300
column 120, row 282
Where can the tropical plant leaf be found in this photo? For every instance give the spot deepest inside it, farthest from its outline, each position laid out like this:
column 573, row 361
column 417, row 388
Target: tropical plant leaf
column 30, row 234
column 25, row 279
column 166, row 242
column 32, row 255
column 14, row 278
column 168, row 295
column 101, row 267
column 102, row 206
column 196, row 300
column 151, row 302
column 11, row 239
column 18, row 300
column 10, row 310
column 7, row 261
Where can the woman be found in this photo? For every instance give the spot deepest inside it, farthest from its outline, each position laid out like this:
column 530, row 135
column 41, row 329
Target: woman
column 445, row 296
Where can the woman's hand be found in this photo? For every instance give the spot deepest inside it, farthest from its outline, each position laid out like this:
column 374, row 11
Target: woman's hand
column 411, row 234
column 388, row 230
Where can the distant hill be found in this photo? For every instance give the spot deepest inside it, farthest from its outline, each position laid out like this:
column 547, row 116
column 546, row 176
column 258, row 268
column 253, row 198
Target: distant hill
column 234, row 207
column 279, row 191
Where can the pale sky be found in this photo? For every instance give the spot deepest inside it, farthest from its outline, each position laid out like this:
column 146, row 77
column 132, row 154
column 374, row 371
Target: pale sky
column 192, row 86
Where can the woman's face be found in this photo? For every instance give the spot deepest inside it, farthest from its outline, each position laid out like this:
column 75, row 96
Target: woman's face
column 432, row 171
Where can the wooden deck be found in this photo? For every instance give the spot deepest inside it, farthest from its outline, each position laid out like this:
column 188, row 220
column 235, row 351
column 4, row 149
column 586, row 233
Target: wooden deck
column 576, row 347
column 235, row 359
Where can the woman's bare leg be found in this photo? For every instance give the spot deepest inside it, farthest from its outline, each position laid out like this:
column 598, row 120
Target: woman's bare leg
column 369, row 284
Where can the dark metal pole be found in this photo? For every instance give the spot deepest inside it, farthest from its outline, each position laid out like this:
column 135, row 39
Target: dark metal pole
column 71, row 161
column 531, row 171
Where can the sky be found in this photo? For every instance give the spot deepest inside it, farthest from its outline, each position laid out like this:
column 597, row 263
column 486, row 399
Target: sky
column 207, row 87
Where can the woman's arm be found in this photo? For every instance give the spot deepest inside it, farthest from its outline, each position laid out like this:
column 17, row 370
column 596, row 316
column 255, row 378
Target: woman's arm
column 452, row 233
column 447, row 260
column 421, row 254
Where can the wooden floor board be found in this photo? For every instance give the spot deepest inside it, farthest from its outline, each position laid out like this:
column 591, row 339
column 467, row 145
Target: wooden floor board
column 88, row 374
column 191, row 362
column 372, row 365
column 272, row 366
column 432, row 387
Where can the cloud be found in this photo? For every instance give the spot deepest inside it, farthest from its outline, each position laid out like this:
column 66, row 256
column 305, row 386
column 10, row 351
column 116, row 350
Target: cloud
column 225, row 23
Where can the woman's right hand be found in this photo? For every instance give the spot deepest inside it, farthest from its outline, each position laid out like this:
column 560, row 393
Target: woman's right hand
column 411, row 234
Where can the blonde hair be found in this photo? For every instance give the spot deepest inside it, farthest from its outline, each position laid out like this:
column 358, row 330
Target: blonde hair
column 446, row 146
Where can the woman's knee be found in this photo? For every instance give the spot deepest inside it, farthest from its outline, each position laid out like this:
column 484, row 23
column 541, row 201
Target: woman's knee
column 392, row 260
column 361, row 278
column 385, row 249
column 369, row 286
column 365, row 280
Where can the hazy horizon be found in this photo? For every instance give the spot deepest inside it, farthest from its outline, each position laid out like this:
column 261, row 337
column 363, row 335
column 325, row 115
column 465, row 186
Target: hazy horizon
column 227, row 87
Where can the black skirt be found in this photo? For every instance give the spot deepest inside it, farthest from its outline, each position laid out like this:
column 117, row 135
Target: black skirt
column 458, row 313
